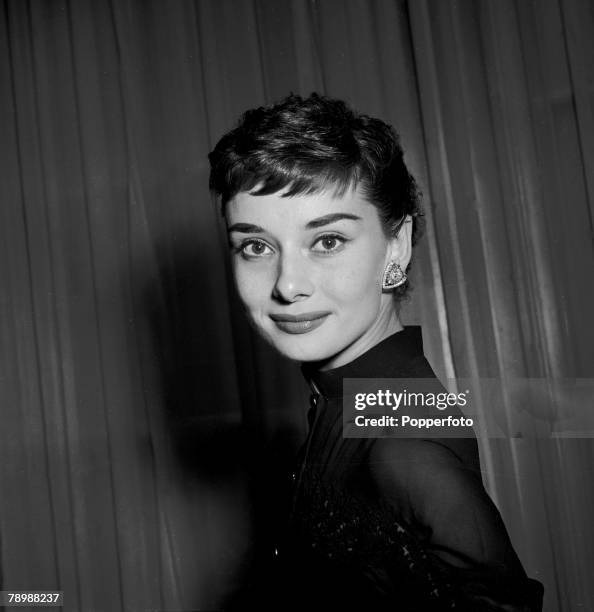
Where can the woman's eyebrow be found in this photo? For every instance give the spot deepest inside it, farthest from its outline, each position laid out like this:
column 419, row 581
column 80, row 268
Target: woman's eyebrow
column 249, row 228
column 331, row 218
column 245, row 228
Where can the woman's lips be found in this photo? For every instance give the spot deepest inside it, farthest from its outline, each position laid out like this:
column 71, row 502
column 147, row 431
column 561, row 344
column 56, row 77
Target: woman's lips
column 299, row 324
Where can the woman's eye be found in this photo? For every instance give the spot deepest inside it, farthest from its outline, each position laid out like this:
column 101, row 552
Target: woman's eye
column 255, row 248
column 329, row 243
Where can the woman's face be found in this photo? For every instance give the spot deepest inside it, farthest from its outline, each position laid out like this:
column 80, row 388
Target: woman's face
column 309, row 269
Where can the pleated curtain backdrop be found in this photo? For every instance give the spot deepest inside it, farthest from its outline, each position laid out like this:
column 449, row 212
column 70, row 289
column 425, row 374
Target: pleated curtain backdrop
column 142, row 439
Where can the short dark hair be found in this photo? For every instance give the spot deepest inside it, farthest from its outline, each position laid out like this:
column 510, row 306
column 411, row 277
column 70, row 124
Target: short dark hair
column 307, row 145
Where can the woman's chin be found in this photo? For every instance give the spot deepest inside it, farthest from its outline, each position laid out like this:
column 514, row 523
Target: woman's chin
column 300, row 349
column 303, row 355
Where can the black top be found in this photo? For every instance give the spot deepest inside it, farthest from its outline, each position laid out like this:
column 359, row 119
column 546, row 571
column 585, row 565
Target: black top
column 391, row 523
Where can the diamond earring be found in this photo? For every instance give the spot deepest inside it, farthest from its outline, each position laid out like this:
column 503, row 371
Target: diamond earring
column 394, row 276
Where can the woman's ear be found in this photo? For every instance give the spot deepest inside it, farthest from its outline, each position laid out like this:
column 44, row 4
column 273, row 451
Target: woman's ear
column 401, row 245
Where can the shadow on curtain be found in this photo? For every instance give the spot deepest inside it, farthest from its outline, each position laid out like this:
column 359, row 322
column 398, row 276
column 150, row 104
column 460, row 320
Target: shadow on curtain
column 143, row 444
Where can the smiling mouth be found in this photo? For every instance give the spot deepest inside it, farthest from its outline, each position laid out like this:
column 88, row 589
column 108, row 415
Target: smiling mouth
column 299, row 324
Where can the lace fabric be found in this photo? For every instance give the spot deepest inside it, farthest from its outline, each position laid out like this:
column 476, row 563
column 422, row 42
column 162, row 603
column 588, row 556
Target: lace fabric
column 329, row 526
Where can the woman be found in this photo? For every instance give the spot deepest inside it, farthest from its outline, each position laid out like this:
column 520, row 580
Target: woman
column 322, row 214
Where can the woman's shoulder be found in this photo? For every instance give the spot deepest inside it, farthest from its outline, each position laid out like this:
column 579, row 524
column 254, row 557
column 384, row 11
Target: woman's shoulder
column 419, row 475
column 403, row 455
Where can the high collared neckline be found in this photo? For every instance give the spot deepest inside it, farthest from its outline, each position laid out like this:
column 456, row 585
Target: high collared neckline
column 390, row 358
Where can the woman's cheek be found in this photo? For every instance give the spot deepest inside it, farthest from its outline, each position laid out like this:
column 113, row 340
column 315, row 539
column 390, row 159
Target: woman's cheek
column 245, row 283
column 255, row 283
column 361, row 278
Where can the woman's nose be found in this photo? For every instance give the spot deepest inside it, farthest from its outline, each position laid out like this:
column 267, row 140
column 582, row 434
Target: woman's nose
column 293, row 279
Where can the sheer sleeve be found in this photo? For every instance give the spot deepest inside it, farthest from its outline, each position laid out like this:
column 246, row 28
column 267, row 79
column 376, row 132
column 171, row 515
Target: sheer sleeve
column 439, row 492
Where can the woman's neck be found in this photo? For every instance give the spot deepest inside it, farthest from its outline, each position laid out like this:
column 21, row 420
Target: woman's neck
column 385, row 325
